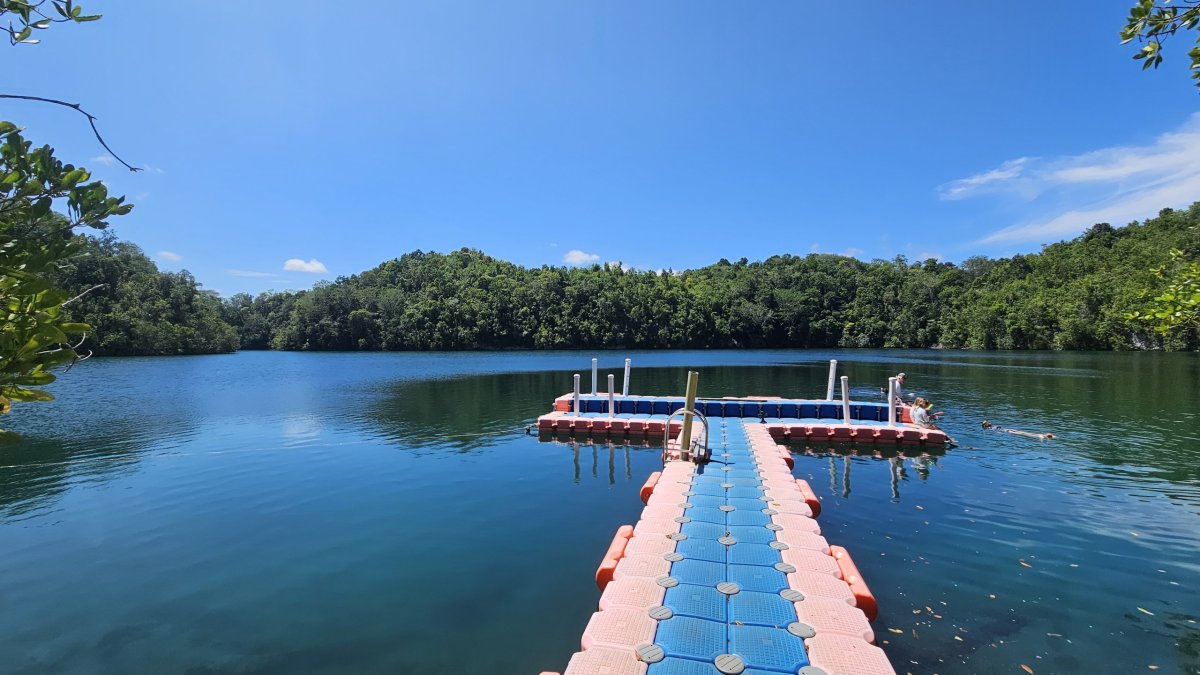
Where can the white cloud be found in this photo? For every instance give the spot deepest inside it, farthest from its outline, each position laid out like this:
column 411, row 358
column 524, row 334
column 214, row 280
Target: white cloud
column 1118, row 211
column 313, row 266
column 577, row 257
column 170, row 256
column 248, row 273
column 853, row 252
column 983, row 182
column 814, row 248
column 106, row 160
column 925, row 255
column 1071, row 193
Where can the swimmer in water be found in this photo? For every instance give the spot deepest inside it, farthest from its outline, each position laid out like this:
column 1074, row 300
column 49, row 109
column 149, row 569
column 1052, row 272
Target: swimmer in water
column 1018, row 432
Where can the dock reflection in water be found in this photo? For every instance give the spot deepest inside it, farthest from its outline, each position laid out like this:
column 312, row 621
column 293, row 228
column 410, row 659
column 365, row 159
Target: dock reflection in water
column 590, row 451
column 899, row 458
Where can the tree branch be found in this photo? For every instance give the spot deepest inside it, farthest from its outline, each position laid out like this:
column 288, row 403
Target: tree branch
column 76, row 107
column 93, row 288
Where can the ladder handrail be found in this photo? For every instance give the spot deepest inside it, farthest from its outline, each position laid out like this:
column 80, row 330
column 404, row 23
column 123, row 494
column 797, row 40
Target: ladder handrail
column 667, row 430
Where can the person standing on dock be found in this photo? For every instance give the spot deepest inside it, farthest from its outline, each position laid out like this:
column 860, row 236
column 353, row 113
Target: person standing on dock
column 898, row 397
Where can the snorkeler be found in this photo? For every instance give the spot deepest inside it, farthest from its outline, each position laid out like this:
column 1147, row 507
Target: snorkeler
column 1018, row 432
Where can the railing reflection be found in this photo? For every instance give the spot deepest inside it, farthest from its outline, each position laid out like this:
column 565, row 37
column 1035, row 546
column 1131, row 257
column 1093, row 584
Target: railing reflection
column 920, row 459
column 598, row 446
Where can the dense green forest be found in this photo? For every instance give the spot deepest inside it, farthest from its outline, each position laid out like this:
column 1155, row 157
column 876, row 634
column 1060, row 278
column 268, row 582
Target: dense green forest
column 1071, row 295
column 135, row 309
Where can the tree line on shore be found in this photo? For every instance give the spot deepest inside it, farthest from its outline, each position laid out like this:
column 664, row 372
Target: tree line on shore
column 1073, row 295
column 133, row 308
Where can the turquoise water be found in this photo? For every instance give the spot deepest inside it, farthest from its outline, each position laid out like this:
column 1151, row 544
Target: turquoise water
column 382, row 513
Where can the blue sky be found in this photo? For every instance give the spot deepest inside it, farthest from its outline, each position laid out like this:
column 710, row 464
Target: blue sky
column 286, row 143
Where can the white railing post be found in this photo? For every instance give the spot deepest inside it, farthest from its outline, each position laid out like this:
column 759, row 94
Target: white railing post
column 832, row 378
column 891, row 404
column 846, row 399
column 611, row 396
column 577, row 394
column 595, row 363
column 625, row 383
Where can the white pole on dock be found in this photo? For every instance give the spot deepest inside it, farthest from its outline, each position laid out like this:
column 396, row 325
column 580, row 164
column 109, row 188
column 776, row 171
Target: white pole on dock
column 625, row 383
column 832, row 378
column 595, row 363
column 611, row 388
column 846, row 399
column 891, row 392
column 577, row 394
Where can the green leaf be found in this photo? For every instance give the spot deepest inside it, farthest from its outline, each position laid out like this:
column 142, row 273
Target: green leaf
column 22, row 394
column 36, row 380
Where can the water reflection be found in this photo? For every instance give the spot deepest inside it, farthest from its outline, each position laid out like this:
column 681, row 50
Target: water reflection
column 614, row 455
column 35, row 471
column 463, row 413
column 841, row 458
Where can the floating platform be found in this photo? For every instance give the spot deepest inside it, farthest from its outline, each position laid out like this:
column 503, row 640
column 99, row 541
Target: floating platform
column 794, row 419
column 727, row 573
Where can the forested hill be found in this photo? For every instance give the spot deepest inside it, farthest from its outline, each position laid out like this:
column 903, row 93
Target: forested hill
column 1072, row 295
column 134, row 308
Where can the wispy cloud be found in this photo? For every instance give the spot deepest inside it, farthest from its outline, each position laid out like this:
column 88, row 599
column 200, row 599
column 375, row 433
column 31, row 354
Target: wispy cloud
column 313, row 266
column 249, row 273
column 926, row 255
column 169, row 256
column 106, row 160
column 1069, row 194
column 577, row 257
column 997, row 178
column 1129, row 206
column 853, row 252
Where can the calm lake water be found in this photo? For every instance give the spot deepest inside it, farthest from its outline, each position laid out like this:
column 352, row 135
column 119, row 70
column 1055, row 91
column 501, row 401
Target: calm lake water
column 386, row 513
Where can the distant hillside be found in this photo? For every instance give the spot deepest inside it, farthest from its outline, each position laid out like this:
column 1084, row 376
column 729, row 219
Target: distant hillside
column 138, row 310
column 1072, row 295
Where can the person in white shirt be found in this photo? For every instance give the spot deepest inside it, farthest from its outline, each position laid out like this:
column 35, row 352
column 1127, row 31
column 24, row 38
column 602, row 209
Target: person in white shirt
column 898, row 397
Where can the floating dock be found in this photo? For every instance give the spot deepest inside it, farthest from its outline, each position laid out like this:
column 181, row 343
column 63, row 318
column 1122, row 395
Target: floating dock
column 793, row 419
column 726, row 572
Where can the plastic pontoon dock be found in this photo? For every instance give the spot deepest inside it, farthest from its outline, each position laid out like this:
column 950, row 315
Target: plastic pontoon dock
column 726, row 572
column 795, row 419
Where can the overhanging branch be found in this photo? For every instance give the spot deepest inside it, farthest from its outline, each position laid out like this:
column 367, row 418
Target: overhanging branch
column 76, row 107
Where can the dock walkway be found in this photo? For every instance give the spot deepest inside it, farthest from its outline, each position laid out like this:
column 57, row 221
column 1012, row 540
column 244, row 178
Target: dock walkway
column 727, row 573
